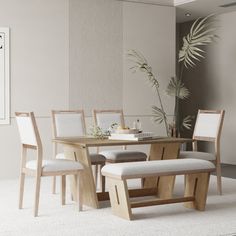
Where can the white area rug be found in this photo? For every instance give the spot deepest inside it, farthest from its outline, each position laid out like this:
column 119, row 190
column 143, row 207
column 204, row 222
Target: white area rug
column 172, row 220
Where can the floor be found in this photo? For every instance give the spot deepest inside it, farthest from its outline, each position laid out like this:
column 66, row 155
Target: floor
column 219, row 219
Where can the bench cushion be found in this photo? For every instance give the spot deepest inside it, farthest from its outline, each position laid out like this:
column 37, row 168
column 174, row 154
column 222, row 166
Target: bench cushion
column 156, row 168
column 124, row 155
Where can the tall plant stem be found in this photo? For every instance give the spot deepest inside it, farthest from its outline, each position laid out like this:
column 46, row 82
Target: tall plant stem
column 181, row 71
column 176, row 112
column 162, row 108
column 177, row 100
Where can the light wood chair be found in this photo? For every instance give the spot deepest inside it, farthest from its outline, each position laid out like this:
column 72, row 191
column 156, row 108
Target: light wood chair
column 104, row 119
column 208, row 128
column 30, row 139
column 71, row 123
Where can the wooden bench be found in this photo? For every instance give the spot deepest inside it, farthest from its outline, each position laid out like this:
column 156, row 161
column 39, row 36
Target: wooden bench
column 197, row 175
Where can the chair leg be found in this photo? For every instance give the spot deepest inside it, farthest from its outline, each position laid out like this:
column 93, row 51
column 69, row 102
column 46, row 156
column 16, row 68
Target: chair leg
column 79, row 192
column 102, row 179
column 37, row 193
column 219, row 181
column 96, row 176
column 63, row 189
column 94, row 169
column 22, row 185
column 54, row 185
column 142, row 182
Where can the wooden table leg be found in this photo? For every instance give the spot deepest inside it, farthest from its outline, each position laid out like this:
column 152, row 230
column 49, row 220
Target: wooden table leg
column 163, row 184
column 88, row 186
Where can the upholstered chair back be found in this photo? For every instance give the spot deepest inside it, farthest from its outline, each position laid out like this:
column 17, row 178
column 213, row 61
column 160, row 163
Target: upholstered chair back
column 28, row 129
column 208, row 125
column 68, row 123
column 105, row 118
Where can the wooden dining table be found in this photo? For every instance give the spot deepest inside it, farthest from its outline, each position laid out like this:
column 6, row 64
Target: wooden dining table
column 161, row 148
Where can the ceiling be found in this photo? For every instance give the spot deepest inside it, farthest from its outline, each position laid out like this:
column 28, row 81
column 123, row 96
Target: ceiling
column 201, row 8
column 197, row 8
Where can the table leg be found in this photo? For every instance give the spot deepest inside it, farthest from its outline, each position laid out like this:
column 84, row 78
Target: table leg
column 88, row 186
column 165, row 184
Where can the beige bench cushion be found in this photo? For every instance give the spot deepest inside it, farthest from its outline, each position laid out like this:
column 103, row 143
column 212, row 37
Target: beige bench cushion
column 124, row 155
column 95, row 158
column 156, row 168
column 197, row 155
column 55, row 165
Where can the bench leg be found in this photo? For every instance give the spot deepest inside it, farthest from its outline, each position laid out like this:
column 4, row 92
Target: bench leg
column 165, row 187
column 119, row 197
column 197, row 185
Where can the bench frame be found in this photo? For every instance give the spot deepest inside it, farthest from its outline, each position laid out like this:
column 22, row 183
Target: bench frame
column 195, row 194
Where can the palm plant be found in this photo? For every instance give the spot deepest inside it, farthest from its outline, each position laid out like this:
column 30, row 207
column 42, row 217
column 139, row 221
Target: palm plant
column 177, row 89
column 201, row 34
column 141, row 63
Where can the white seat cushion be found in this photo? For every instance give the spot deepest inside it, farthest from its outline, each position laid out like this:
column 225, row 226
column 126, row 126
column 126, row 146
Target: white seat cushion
column 55, row 165
column 95, row 158
column 197, row 155
column 131, row 170
column 124, row 155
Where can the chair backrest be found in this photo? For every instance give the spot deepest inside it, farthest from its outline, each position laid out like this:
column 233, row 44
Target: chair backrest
column 208, row 125
column 68, row 123
column 28, row 129
column 105, row 118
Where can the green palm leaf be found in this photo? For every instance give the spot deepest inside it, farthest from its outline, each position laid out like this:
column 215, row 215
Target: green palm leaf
column 176, row 88
column 201, row 34
column 141, row 63
column 187, row 122
column 158, row 115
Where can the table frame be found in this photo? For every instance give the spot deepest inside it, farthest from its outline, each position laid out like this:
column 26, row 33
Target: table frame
column 160, row 149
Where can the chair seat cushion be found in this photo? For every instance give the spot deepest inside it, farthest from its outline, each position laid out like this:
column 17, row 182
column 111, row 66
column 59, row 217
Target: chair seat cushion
column 197, row 155
column 156, row 168
column 95, row 158
column 124, row 155
column 55, row 165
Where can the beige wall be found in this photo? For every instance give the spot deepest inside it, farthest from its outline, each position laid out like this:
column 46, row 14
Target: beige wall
column 39, row 69
column 100, row 35
column 69, row 54
column 95, row 54
column 212, row 82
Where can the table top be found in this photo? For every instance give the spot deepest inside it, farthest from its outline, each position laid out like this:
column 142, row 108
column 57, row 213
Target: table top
column 95, row 142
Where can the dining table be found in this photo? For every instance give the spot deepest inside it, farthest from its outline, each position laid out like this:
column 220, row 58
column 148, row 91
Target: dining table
column 161, row 148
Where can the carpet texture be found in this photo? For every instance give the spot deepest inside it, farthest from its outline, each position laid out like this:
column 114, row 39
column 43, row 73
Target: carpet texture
column 219, row 219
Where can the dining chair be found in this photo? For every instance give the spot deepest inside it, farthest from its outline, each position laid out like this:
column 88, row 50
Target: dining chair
column 30, row 140
column 71, row 123
column 104, row 119
column 208, row 128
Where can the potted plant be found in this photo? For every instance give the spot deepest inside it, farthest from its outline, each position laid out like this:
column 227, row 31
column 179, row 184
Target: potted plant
column 201, row 34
